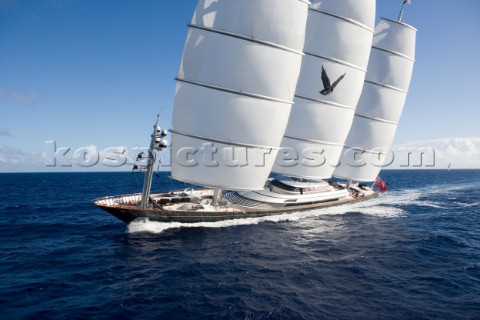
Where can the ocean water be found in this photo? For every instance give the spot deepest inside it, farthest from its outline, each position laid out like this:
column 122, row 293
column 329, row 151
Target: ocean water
column 413, row 253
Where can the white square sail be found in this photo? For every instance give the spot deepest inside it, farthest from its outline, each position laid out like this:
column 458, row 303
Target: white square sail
column 381, row 104
column 234, row 91
column 337, row 49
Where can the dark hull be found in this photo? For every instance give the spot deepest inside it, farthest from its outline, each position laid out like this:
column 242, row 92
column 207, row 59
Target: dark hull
column 128, row 213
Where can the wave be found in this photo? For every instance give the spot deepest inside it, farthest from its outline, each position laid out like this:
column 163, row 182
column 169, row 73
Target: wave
column 467, row 205
column 145, row 225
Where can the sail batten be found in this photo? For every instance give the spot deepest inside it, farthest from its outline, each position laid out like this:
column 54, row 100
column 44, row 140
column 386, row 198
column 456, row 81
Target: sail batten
column 242, row 37
column 359, row 24
column 403, row 24
column 326, row 102
column 338, row 41
column 229, row 142
column 376, row 119
column 345, row 63
column 242, row 93
column 315, row 141
column 395, row 53
column 386, row 86
column 235, row 88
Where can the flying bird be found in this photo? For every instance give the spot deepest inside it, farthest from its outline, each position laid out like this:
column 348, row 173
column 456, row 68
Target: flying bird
column 327, row 87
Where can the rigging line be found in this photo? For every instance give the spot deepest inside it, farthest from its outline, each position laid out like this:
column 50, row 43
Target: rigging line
column 158, row 168
column 136, row 179
column 160, row 112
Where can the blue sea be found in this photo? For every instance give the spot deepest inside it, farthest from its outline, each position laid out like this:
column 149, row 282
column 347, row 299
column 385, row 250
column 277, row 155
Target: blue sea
column 412, row 253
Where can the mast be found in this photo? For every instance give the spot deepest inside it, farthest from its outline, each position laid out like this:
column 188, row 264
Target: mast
column 157, row 143
column 349, row 184
column 216, row 196
column 400, row 16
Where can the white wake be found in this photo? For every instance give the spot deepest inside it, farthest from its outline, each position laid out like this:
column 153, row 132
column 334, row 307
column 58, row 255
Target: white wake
column 385, row 206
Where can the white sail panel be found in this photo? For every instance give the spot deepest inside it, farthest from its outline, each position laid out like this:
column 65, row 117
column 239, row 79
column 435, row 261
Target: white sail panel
column 309, row 113
column 381, row 104
column 379, row 97
column 365, row 163
column 400, row 67
column 338, row 40
column 248, row 19
column 309, row 155
column 251, row 66
column 402, row 43
column 219, row 165
column 359, row 11
column 235, row 123
column 380, row 134
column 234, row 90
column 341, row 30
column 346, row 93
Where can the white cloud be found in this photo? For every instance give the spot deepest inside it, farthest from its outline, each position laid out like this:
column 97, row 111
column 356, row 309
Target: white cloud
column 4, row 132
column 18, row 97
column 459, row 153
column 83, row 159
column 12, row 159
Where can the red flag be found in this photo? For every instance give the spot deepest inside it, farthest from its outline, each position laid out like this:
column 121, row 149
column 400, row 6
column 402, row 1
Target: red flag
column 381, row 185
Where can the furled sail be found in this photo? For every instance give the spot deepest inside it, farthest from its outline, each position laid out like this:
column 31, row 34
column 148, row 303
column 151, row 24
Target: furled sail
column 337, row 48
column 381, row 104
column 235, row 89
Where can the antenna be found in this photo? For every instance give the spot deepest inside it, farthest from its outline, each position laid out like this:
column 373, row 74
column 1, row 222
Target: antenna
column 157, row 143
column 400, row 16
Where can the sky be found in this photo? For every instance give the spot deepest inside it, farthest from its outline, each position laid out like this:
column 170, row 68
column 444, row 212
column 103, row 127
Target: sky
column 94, row 74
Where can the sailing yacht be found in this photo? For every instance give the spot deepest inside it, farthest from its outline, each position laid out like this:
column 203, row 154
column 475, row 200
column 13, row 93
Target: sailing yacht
column 277, row 87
